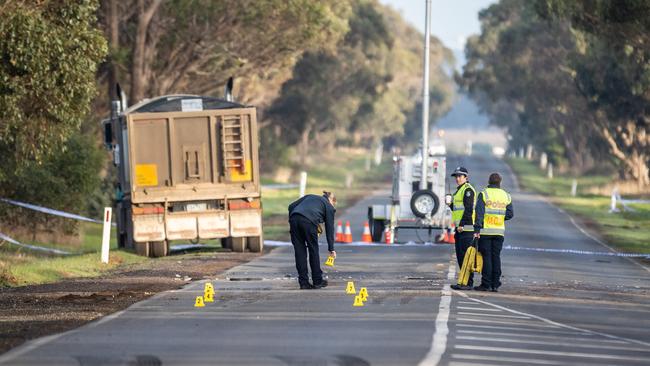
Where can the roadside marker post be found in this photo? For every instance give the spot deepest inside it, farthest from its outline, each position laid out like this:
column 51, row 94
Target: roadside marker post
column 303, row 183
column 106, row 238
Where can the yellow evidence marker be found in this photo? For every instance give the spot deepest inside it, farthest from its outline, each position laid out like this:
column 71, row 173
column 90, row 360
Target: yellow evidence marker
column 330, row 261
column 358, row 301
column 350, row 289
column 208, row 288
column 208, row 297
column 199, row 302
column 363, row 293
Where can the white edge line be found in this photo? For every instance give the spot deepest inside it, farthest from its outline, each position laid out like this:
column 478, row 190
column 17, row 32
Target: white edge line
column 439, row 339
column 551, row 322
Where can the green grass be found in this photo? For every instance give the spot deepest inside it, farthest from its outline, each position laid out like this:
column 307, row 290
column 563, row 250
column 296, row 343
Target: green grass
column 329, row 173
column 628, row 231
column 18, row 268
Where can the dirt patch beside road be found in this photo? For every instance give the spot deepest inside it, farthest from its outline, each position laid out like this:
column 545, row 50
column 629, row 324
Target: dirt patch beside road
column 30, row 312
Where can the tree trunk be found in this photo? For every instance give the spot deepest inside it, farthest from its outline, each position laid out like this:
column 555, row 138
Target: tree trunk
column 304, row 146
column 113, row 22
column 139, row 68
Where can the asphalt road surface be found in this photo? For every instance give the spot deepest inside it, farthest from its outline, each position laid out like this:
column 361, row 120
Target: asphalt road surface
column 553, row 308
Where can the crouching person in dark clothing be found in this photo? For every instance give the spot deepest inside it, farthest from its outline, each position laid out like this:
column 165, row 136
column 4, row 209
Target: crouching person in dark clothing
column 305, row 215
column 493, row 208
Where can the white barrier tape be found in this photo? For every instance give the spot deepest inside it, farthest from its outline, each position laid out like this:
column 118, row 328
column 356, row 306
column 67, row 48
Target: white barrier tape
column 583, row 252
column 51, row 211
column 507, row 247
column 280, row 186
column 33, row 247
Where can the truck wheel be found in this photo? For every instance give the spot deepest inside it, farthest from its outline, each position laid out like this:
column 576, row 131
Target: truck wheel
column 226, row 243
column 142, row 248
column 159, row 248
column 238, row 244
column 423, row 202
column 377, row 228
column 255, row 244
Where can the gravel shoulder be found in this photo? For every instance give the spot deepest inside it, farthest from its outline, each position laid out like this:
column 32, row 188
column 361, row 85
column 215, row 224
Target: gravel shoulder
column 30, row 312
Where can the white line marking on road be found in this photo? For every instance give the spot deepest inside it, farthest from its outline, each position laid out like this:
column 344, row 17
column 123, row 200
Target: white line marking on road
column 496, row 327
column 467, row 302
column 524, row 361
column 560, row 344
column 553, row 323
column 439, row 339
column 568, row 336
column 549, row 353
column 476, row 309
column 505, row 322
column 493, row 315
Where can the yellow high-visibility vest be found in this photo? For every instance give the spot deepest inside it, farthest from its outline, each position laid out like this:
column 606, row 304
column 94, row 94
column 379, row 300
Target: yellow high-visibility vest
column 459, row 207
column 496, row 200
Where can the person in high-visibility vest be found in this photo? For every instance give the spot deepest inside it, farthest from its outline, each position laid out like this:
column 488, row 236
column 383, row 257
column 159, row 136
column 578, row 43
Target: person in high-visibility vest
column 462, row 214
column 493, row 209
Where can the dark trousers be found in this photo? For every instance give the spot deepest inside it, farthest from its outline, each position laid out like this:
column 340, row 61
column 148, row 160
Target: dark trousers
column 490, row 247
column 304, row 237
column 464, row 241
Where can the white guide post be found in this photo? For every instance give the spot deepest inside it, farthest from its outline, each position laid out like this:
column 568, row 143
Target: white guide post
column 106, row 237
column 303, row 183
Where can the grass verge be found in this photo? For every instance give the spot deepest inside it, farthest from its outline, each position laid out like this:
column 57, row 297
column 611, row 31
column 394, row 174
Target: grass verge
column 17, row 268
column 628, row 231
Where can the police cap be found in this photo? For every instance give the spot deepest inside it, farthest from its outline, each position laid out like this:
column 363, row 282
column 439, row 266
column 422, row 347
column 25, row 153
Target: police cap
column 460, row 171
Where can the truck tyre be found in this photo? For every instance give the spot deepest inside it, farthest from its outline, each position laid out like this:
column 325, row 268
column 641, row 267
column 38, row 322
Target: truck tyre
column 142, row 248
column 424, row 198
column 226, row 243
column 255, row 244
column 159, row 248
column 238, row 244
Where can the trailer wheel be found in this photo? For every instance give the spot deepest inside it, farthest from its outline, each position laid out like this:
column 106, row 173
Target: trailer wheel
column 159, row 248
column 142, row 248
column 238, row 244
column 377, row 227
column 423, row 202
column 255, row 244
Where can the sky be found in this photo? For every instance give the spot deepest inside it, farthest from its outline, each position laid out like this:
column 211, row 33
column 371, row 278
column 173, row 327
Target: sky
column 452, row 21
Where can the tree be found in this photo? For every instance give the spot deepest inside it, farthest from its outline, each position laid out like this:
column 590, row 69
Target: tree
column 193, row 46
column 49, row 53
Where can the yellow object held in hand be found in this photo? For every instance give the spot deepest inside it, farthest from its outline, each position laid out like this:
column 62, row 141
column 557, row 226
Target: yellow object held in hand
column 330, row 261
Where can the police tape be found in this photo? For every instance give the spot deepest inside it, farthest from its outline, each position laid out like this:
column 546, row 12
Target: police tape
column 582, row 252
column 51, row 211
column 33, row 247
column 507, row 247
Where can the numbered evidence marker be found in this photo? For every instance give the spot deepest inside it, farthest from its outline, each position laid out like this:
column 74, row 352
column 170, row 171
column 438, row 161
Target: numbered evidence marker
column 199, row 302
column 350, row 289
column 363, row 293
column 208, row 288
column 330, row 261
column 358, row 301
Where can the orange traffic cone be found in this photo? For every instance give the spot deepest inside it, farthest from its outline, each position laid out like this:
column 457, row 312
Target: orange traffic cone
column 339, row 232
column 347, row 237
column 452, row 239
column 366, row 237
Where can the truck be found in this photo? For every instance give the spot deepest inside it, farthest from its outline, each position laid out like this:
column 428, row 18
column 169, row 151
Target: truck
column 411, row 207
column 188, row 170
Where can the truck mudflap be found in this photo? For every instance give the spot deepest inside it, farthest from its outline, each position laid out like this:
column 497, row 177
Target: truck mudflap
column 245, row 223
column 214, row 225
column 181, row 227
column 148, row 228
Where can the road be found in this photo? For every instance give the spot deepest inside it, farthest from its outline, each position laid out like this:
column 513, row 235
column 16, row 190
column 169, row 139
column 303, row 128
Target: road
column 553, row 309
